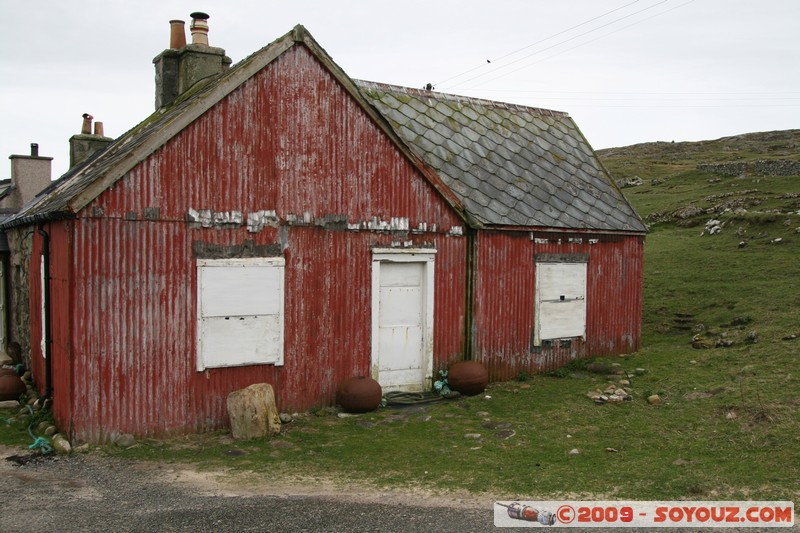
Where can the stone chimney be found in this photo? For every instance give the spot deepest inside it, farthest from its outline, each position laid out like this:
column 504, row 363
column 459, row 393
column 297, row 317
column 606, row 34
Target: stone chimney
column 30, row 174
column 83, row 145
column 182, row 65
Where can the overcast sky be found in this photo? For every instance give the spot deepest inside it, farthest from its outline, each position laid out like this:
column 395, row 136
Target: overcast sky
column 627, row 71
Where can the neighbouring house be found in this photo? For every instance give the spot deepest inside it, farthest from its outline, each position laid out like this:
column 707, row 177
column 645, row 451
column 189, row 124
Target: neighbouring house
column 277, row 221
column 30, row 174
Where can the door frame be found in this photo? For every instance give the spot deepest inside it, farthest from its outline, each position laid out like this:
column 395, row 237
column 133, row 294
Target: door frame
column 404, row 255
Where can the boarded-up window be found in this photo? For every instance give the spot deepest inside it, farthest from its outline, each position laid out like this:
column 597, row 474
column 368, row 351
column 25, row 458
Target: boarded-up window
column 560, row 301
column 240, row 312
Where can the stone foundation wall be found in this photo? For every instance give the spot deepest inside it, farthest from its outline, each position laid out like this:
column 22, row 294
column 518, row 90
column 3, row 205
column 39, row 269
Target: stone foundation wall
column 20, row 240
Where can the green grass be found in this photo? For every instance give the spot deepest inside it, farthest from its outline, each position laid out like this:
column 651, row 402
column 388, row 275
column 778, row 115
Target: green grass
column 729, row 424
column 17, row 425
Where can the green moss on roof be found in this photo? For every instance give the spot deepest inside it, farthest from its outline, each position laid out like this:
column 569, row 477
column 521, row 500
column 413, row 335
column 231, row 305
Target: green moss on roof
column 516, row 145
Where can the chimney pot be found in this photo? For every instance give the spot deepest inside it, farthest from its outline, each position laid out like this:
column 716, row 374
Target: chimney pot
column 86, row 129
column 34, row 150
column 177, row 34
column 98, row 129
column 199, row 28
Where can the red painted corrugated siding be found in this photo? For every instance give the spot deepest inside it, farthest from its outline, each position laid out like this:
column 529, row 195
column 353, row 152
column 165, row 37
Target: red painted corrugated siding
column 617, row 276
column 504, row 299
column 134, row 310
column 59, row 319
column 614, row 289
column 60, row 308
column 35, row 303
column 289, row 140
column 503, row 302
column 450, row 302
column 132, row 320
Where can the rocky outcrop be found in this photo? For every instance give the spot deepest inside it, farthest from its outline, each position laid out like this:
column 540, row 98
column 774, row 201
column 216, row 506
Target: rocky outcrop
column 764, row 167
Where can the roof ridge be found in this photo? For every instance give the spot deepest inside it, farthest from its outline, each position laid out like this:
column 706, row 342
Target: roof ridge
column 459, row 98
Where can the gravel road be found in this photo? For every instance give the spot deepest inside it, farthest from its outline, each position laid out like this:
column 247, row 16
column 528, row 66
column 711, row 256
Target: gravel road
column 91, row 492
column 94, row 493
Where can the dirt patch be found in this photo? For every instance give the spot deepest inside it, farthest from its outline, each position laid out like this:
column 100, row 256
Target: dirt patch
column 230, row 483
column 32, row 472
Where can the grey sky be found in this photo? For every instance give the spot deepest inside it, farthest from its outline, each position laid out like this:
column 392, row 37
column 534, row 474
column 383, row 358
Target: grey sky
column 627, row 71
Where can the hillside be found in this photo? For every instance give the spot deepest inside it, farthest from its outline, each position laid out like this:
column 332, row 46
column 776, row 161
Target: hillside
column 721, row 316
column 762, row 145
column 679, row 182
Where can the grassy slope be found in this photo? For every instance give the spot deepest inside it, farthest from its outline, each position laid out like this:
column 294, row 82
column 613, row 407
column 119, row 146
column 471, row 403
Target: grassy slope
column 728, row 427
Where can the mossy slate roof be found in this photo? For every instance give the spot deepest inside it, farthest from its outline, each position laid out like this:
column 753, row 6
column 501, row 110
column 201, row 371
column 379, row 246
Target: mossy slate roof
column 509, row 165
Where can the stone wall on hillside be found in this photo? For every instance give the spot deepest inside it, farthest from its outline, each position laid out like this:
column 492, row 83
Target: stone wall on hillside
column 764, row 167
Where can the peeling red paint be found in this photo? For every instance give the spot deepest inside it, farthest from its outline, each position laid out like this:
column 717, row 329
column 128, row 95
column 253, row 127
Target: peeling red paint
column 504, row 299
column 290, row 141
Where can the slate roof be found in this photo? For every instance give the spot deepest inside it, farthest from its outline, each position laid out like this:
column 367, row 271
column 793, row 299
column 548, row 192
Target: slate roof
column 509, row 165
column 5, row 188
column 497, row 164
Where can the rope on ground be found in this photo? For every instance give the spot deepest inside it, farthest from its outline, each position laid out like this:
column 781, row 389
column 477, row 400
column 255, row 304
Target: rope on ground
column 40, row 443
column 410, row 398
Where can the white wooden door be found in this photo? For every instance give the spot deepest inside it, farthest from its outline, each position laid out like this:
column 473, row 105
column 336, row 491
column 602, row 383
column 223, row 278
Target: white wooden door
column 401, row 326
column 402, row 318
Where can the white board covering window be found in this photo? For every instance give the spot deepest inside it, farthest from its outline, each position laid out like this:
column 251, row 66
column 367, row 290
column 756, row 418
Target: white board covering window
column 560, row 301
column 240, row 312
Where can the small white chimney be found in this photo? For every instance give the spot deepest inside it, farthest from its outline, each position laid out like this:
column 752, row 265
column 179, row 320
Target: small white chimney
column 199, row 28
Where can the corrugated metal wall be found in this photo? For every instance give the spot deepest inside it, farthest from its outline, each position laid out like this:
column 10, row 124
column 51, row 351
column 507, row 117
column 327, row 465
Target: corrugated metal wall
column 290, row 140
column 61, row 297
column 35, row 311
column 503, row 302
column 505, row 290
column 60, row 302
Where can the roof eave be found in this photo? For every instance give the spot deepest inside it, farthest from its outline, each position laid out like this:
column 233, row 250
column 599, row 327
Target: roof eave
column 38, row 218
column 552, row 229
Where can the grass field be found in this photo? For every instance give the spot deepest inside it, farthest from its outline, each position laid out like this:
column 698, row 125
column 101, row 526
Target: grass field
column 718, row 348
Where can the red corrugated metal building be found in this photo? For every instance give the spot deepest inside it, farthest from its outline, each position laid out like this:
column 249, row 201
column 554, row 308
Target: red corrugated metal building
column 279, row 222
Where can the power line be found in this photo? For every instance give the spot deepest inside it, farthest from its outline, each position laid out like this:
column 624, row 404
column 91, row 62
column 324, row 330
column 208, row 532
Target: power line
column 686, row 106
column 745, row 99
column 537, row 42
column 560, row 43
column 581, row 44
column 557, row 91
